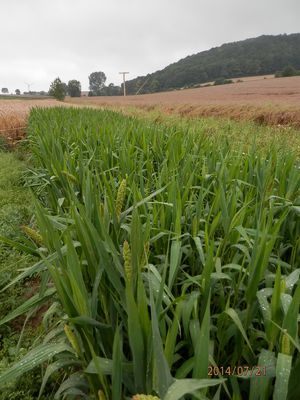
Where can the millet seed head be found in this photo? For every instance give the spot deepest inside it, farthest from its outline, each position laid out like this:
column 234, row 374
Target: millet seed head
column 120, row 197
column 127, row 260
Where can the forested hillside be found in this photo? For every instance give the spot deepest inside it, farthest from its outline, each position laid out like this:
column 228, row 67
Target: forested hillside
column 258, row 56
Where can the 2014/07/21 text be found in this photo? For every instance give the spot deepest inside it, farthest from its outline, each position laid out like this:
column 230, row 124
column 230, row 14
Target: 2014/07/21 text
column 242, row 370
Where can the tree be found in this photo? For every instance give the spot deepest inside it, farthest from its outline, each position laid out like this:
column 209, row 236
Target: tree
column 4, row 90
column 57, row 89
column 111, row 90
column 97, row 82
column 222, row 81
column 154, row 85
column 65, row 88
column 74, row 88
column 289, row 71
column 114, row 90
column 18, row 92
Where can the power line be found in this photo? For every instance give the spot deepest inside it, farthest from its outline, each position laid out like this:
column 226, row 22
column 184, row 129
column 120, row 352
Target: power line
column 141, row 87
column 28, row 86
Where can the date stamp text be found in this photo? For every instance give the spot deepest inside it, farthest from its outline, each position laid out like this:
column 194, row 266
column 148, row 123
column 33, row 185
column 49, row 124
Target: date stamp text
column 241, row 370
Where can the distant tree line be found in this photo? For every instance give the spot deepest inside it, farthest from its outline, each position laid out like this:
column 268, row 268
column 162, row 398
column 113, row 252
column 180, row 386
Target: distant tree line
column 32, row 93
column 258, row 56
column 5, row 90
column 59, row 89
column 287, row 71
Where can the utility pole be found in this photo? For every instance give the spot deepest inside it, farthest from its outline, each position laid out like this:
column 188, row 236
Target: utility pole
column 28, row 86
column 124, row 73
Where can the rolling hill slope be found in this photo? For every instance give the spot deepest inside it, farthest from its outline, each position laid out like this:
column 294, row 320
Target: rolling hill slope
column 257, row 56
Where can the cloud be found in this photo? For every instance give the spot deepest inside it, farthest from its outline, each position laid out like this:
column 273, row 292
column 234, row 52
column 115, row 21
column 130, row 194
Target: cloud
column 41, row 40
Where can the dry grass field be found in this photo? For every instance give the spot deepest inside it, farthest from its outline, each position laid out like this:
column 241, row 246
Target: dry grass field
column 14, row 114
column 261, row 99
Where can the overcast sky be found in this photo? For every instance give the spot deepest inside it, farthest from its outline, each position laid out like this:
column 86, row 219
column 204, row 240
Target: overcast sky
column 43, row 39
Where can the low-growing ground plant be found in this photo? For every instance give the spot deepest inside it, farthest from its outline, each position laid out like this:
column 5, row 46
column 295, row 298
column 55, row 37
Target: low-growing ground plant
column 16, row 209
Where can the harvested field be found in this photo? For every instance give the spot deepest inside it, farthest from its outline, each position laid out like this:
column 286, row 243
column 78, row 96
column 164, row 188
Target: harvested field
column 14, row 114
column 265, row 100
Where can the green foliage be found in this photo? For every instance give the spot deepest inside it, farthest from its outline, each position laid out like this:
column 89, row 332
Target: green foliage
column 111, row 90
column 3, row 144
column 16, row 208
column 287, row 71
column 97, row 86
column 74, row 88
column 97, row 82
column 27, row 386
column 58, row 89
column 170, row 249
column 222, row 81
column 259, row 56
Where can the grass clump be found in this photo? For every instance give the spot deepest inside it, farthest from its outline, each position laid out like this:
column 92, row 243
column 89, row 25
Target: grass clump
column 191, row 265
column 16, row 208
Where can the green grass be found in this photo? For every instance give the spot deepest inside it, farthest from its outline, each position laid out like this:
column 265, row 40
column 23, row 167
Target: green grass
column 166, row 248
column 16, row 208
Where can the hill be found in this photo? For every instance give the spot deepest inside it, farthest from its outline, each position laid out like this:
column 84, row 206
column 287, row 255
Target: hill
column 258, row 56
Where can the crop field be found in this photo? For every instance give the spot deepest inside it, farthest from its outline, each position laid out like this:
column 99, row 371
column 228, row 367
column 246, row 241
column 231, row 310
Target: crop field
column 14, row 115
column 168, row 256
column 266, row 101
